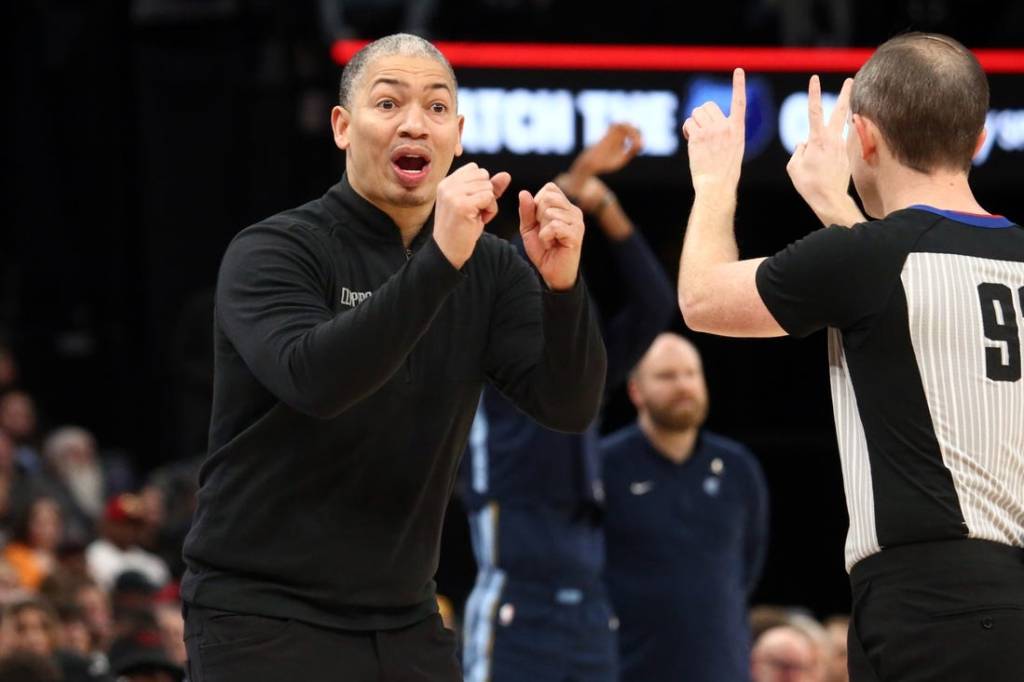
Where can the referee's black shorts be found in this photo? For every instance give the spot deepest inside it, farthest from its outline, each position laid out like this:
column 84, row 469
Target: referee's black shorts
column 232, row 647
column 950, row 611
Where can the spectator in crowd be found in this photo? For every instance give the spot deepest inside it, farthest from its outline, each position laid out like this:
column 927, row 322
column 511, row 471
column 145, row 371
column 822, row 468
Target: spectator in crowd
column 838, row 627
column 73, row 634
column 784, row 653
column 534, row 495
column 16, row 488
column 29, row 625
column 8, row 462
column 26, row 667
column 820, row 637
column 76, row 594
column 71, row 558
column 73, row 475
column 763, row 617
column 18, row 420
column 32, row 551
column 172, row 631
column 153, row 516
column 10, row 587
column 96, row 609
column 8, row 369
column 8, row 476
column 174, row 487
column 140, row 656
column 686, row 527
column 117, row 549
column 133, row 594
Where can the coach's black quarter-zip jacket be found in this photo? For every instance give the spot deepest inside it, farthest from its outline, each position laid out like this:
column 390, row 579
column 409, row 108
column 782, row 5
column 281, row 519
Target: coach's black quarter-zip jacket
column 348, row 369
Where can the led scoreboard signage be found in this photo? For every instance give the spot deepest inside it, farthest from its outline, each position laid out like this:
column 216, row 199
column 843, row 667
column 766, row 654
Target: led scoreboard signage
column 530, row 108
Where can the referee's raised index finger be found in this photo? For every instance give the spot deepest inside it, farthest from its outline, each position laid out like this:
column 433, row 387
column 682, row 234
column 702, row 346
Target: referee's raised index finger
column 738, row 108
column 814, row 113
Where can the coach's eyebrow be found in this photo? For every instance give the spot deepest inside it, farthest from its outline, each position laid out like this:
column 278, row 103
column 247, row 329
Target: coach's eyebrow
column 439, row 86
column 398, row 83
column 384, row 80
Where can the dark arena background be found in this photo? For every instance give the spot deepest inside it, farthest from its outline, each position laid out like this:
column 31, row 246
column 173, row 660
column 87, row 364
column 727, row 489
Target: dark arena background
column 141, row 136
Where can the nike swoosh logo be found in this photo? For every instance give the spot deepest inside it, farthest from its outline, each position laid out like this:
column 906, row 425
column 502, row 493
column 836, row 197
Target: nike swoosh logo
column 641, row 487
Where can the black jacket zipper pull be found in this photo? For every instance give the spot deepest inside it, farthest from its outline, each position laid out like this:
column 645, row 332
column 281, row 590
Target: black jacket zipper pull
column 408, row 359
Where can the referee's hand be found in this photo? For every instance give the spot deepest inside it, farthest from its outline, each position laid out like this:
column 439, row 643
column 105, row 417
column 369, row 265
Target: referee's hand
column 820, row 167
column 715, row 141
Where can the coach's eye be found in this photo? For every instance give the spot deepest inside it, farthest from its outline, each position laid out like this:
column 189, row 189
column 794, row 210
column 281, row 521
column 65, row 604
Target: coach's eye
column 386, row 104
column 439, row 108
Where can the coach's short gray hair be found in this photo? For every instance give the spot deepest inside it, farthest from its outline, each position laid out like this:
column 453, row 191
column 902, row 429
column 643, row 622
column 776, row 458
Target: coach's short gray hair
column 403, row 44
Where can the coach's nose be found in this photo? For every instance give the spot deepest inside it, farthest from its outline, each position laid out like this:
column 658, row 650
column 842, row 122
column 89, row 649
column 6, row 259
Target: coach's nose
column 413, row 123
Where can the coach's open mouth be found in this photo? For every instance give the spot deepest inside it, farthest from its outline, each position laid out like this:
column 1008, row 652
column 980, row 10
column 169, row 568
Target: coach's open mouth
column 410, row 165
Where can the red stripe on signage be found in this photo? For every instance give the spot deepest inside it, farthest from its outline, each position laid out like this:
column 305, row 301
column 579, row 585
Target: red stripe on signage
column 667, row 58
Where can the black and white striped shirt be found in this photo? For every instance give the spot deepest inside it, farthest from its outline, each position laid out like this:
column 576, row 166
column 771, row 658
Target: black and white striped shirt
column 925, row 311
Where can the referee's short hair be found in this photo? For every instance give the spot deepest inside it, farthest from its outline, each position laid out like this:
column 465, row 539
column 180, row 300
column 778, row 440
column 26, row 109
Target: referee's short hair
column 928, row 95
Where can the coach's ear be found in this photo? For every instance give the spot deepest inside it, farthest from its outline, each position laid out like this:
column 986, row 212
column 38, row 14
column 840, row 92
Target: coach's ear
column 458, row 145
column 869, row 137
column 339, row 124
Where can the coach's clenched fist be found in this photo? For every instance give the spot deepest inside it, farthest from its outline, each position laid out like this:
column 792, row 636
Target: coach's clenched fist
column 552, row 231
column 466, row 201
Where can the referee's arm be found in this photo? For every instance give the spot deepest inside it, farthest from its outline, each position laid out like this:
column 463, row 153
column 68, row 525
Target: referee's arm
column 717, row 291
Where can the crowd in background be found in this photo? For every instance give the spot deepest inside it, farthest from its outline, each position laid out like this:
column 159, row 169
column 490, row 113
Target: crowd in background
column 790, row 645
column 90, row 558
column 90, row 541
column 90, row 553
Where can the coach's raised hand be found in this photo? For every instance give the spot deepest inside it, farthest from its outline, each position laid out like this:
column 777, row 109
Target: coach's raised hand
column 466, row 201
column 552, row 231
column 820, row 167
column 715, row 141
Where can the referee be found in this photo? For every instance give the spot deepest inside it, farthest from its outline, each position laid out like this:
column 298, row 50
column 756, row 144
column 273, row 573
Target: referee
column 924, row 309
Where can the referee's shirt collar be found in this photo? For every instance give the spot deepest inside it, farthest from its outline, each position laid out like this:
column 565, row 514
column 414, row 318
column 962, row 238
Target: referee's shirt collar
column 973, row 219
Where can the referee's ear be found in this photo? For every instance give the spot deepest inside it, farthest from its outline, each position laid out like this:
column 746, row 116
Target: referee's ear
column 869, row 138
column 982, row 136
